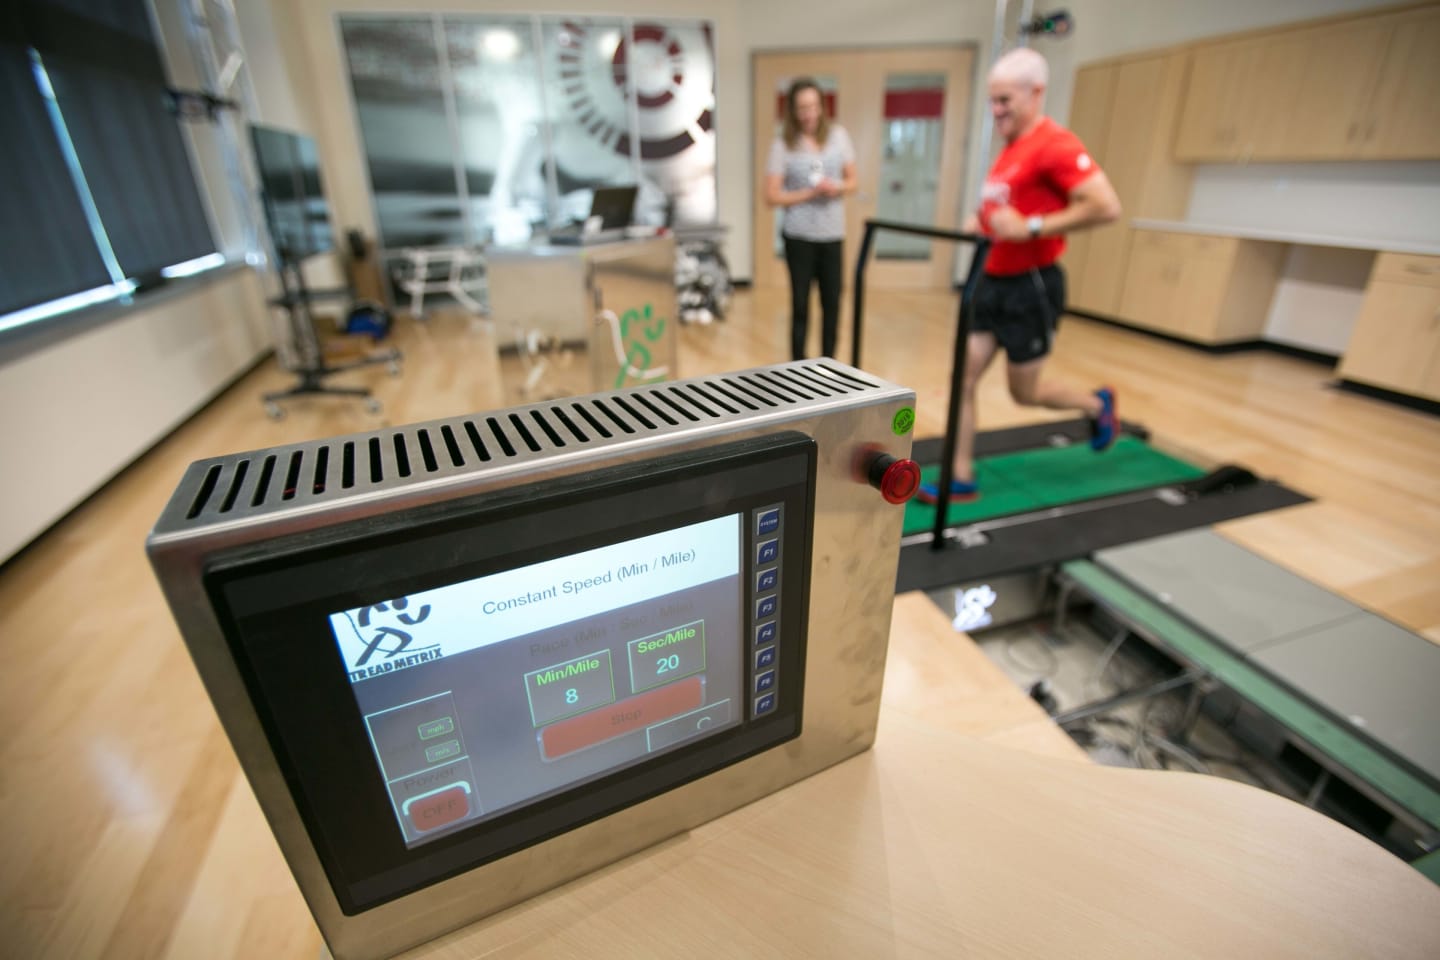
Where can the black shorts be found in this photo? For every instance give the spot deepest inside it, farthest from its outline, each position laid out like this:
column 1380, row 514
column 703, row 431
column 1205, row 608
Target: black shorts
column 1022, row 311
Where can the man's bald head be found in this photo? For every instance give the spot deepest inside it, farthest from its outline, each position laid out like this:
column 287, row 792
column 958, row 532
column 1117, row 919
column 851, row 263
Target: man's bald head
column 1017, row 92
column 1023, row 66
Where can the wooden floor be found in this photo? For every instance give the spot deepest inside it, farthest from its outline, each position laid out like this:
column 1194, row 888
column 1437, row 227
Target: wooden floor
column 129, row 831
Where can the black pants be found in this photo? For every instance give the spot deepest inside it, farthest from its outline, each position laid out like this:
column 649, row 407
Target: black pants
column 813, row 261
column 1022, row 311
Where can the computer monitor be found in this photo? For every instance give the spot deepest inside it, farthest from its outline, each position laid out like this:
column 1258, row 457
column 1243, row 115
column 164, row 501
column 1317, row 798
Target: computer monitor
column 293, row 194
column 615, row 206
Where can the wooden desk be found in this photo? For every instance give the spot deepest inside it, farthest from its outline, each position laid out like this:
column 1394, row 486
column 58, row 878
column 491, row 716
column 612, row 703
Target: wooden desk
column 969, row 830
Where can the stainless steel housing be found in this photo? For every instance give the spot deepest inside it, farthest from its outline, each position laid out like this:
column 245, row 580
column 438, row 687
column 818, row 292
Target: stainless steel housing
column 226, row 503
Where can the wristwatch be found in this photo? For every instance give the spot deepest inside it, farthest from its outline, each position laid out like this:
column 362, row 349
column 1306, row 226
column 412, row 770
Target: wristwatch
column 1035, row 224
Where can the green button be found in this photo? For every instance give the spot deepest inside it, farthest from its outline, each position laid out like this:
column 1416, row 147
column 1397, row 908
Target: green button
column 442, row 751
column 436, row 728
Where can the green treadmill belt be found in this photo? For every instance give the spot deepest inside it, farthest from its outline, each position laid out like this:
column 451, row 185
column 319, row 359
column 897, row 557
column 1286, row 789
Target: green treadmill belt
column 1051, row 476
column 1429, row 865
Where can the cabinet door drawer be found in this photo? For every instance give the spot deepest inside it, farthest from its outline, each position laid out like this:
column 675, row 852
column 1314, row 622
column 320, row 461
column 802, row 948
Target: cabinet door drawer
column 1407, row 268
column 1396, row 336
column 1198, row 299
column 1160, row 241
column 1151, row 281
column 1187, row 245
column 1198, row 246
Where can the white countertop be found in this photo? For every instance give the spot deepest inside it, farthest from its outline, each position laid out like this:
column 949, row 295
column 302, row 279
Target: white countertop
column 1285, row 236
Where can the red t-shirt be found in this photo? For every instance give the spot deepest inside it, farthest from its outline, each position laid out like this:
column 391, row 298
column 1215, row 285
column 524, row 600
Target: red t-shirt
column 1035, row 174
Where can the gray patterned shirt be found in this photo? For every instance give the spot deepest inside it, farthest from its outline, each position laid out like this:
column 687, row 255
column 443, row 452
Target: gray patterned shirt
column 822, row 218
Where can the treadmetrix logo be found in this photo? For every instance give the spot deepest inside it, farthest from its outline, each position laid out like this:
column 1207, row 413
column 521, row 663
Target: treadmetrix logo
column 384, row 636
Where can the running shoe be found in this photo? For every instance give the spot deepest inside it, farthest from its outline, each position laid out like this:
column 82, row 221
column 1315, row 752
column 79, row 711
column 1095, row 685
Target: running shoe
column 960, row 490
column 1105, row 429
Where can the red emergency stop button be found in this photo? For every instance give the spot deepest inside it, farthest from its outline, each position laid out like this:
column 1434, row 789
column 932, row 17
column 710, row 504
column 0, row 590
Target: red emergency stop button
column 897, row 480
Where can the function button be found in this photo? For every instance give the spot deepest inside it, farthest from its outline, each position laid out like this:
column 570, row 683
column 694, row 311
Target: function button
column 765, row 633
column 763, row 704
column 766, row 580
column 765, row 607
column 765, row 658
column 768, row 551
column 765, row 681
column 767, row 520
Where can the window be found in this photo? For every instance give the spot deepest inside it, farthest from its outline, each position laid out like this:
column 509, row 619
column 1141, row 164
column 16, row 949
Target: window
column 100, row 193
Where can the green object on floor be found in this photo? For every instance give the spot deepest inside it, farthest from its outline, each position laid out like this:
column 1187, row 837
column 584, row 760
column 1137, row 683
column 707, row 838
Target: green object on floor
column 1051, row 476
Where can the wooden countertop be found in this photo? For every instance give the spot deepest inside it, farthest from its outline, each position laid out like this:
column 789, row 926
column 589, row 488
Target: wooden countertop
column 974, row 827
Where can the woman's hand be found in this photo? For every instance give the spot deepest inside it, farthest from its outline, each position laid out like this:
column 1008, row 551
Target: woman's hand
column 777, row 196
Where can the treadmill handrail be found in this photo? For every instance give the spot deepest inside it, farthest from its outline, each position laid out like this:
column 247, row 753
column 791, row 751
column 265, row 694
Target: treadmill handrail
column 962, row 335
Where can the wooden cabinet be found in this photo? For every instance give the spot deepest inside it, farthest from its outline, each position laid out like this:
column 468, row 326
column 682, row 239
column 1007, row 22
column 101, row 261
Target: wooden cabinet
column 1124, row 112
column 1207, row 289
column 1328, row 75
column 1362, row 88
column 1396, row 341
column 1090, row 110
column 1405, row 108
column 1219, row 102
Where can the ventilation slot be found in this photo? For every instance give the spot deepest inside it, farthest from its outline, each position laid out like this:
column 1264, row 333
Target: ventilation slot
column 570, row 425
column 815, row 376
column 262, row 486
column 614, row 419
column 292, row 476
column 500, row 437
column 821, row 380
column 658, row 413
column 676, row 407
column 451, row 445
column 544, row 424
column 694, row 388
column 595, row 424
column 377, row 469
column 402, row 455
column 207, row 487
column 474, row 434
column 759, row 398
column 784, row 387
column 812, row 384
column 733, row 396
column 427, row 452
column 763, row 388
column 236, row 482
column 347, row 465
column 635, row 415
column 677, row 392
column 322, row 470
column 524, row 432
column 844, row 377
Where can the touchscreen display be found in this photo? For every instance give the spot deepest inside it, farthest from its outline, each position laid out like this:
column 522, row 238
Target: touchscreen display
column 485, row 695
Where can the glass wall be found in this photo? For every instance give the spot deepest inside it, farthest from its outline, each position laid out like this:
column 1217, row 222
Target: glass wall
column 400, row 100
column 499, row 113
column 481, row 129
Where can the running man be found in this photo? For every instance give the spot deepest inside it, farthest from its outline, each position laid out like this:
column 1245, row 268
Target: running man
column 1043, row 185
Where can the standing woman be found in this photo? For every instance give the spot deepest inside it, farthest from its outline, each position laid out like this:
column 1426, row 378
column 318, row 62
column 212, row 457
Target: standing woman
column 811, row 167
